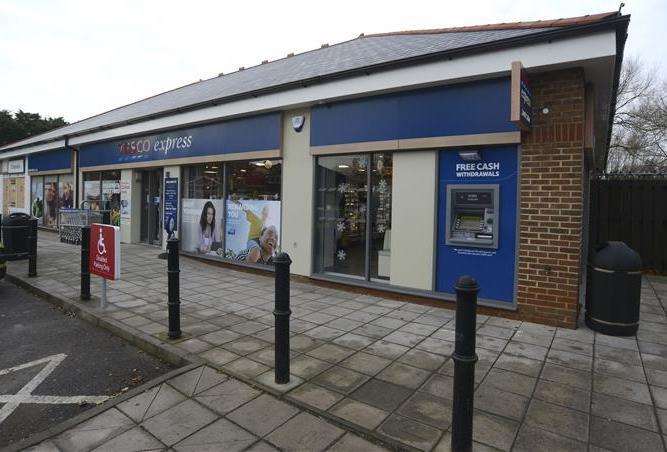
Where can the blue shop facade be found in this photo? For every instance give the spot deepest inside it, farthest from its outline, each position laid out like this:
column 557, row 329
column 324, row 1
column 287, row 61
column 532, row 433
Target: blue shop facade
column 404, row 191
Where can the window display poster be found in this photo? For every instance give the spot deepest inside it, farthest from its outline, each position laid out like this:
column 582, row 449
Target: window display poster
column 50, row 204
column 91, row 190
column 201, row 226
column 252, row 230
column 125, row 199
column 37, row 193
column 66, row 192
column 170, row 206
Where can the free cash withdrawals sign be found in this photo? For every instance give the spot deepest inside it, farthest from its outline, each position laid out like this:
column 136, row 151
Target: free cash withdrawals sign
column 104, row 253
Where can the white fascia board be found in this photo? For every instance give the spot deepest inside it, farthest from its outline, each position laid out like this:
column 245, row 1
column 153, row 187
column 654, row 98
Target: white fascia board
column 33, row 149
column 562, row 52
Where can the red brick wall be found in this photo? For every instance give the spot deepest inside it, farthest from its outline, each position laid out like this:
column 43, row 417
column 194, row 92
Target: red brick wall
column 551, row 191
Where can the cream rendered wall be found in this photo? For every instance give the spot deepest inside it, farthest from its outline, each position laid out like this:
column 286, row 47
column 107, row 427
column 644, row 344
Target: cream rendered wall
column 126, row 223
column 413, row 216
column 297, row 193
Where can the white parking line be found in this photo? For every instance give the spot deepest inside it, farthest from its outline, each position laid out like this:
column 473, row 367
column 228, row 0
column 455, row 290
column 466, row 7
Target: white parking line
column 12, row 401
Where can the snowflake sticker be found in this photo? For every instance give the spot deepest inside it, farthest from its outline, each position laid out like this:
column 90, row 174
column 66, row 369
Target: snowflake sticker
column 381, row 228
column 341, row 255
column 342, row 188
column 340, row 226
column 382, row 186
column 362, row 208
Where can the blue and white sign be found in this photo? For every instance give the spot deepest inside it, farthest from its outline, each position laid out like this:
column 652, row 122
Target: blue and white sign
column 493, row 267
column 170, row 206
column 255, row 133
column 480, row 169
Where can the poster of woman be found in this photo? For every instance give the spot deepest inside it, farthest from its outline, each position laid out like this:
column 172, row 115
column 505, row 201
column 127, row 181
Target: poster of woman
column 201, row 226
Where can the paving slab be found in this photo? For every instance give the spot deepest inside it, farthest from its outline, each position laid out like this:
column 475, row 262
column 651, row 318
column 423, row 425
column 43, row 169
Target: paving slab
column 177, row 422
column 263, row 414
column 305, row 432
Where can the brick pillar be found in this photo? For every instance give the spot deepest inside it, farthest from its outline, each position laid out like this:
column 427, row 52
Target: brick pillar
column 551, row 216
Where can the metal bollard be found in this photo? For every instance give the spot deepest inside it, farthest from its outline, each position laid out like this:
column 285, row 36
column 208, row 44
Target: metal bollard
column 85, row 256
column 282, row 314
column 464, row 363
column 32, row 238
column 173, row 274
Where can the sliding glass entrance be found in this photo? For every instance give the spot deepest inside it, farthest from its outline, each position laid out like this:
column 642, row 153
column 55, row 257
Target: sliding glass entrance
column 353, row 216
column 151, row 207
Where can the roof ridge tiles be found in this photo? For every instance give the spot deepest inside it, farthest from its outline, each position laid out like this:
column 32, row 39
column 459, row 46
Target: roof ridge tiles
column 549, row 23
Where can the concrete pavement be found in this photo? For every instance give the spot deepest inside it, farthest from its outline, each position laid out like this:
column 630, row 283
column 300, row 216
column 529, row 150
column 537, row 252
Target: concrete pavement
column 382, row 368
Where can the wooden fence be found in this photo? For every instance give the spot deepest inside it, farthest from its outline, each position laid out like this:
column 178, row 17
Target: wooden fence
column 631, row 209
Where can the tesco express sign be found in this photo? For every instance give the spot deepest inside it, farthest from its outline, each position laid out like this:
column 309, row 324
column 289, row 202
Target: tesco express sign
column 160, row 145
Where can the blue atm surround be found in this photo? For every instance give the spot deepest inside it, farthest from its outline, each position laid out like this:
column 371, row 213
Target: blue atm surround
column 494, row 269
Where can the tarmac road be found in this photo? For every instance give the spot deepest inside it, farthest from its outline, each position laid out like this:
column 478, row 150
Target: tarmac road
column 73, row 359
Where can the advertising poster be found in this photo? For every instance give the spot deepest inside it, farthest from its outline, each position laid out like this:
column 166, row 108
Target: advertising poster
column 125, row 199
column 201, row 226
column 37, row 204
column 50, row 204
column 252, row 230
column 171, row 206
column 66, row 192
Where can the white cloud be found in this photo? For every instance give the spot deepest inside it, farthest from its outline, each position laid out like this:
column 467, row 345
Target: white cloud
column 79, row 58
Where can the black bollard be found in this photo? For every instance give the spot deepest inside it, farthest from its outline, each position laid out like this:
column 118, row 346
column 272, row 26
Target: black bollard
column 282, row 314
column 32, row 240
column 85, row 256
column 464, row 363
column 173, row 274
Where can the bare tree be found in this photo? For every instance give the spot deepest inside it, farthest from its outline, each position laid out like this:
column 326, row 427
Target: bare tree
column 639, row 134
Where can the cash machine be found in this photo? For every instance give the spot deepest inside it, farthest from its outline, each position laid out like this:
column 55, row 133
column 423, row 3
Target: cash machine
column 472, row 215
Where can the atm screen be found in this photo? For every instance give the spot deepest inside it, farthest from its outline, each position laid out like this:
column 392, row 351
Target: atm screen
column 469, row 222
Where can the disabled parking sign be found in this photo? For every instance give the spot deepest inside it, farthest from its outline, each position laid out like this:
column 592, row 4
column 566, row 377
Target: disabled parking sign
column 104, row 254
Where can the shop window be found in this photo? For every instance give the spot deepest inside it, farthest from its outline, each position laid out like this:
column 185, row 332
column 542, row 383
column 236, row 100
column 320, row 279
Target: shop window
column 92, row 190
column 37, row 198
column 342, row 194
column 49, row 194
column 380, row 216
column 353, row 215
column 13, row 195
column 232, row 210
column 202, row 209
column 101, row 191
column 252, row 226
column 203, row 181
column 66, row 191
column 50, row 202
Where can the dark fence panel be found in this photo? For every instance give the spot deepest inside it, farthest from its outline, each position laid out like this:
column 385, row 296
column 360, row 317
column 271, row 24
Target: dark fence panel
column 632, row 209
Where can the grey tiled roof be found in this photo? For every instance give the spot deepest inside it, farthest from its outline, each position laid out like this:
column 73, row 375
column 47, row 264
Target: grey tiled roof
column 350, row 55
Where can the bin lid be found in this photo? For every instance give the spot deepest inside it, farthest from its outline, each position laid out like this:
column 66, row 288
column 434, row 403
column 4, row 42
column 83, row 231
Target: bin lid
column 617, row 256
column 16, row 219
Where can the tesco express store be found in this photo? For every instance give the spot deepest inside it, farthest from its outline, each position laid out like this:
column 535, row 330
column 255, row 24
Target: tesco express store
column 427, row 156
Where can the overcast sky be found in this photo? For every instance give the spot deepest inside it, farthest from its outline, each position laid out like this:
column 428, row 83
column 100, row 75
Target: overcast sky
column 79, row 58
